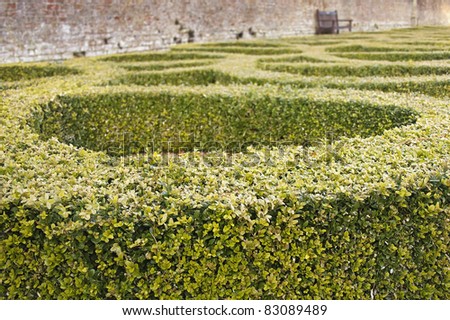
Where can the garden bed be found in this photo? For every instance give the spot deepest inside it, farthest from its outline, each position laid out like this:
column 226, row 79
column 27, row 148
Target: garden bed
column 27, row 72
column 127, row 123
column 273, row 192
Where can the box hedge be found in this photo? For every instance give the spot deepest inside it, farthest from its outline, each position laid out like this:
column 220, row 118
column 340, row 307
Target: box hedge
column 28, row 72
column 257, row 51
column 197, row 77
column 160, row 66
column 364, row 216
column 364, row 48
column 126, row 123
column 436, row 88
column 164, row 56
column 343, row 70
column 290, row 59
column 244, row 44
column 397, row 56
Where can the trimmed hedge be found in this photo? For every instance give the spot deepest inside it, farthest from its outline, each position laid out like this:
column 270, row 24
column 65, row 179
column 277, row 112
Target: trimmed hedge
column 132, row 123
column 368, row 219
column 311, row 42
column 362, row 48
column 339, row 70
column 436, row 44
column 361, row 217
column 26, row 72
column 291, row 59
column 321, row 43
column 158, row 67
column 397, row 56
column 188, row 77
column 439, row 89
column 8, row 87
column 291, row 247
column 248, row 44
column 166, row 56
column 256, row 51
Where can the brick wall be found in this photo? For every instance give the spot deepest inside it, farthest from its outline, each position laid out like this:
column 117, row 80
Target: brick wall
column 33, row 30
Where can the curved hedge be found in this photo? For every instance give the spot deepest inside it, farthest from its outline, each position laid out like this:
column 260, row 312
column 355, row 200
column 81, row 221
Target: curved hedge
column 363, row 48
column 165, row 56
column 398, row 56
column 125, row 123
column 291, row 59
column 356, row 217
column 198, row 77
column 257, row 51
column 159, row 66
column 247, row 44
column 28, row 72
column 381, row 70
column 435, row 88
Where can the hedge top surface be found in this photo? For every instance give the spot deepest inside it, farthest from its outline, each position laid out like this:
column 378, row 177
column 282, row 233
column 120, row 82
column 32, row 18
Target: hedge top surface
column 126, row 123
column 444, row 55
column 166, row 56
column 416, row 150
column 357, row 166
column 20, row 72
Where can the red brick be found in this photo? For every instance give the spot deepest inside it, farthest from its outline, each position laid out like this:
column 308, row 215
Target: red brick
column 127, row 22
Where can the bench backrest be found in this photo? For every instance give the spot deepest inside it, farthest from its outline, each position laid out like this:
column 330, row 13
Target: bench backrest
column 327, row 21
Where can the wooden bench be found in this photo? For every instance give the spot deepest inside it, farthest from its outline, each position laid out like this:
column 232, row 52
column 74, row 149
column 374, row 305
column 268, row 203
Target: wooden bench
column 328, row 22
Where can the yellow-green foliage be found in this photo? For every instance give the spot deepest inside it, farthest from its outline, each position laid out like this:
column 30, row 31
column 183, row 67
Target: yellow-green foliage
column 27, row 72
column 257, row 50
column 291, row 59
column 127, row 123
column 245, row 44
column 341, row 191
column 342, row 70
column 436, row 88
column 398, row 56
column 139, row 57
column 199, row 77
column 160, row 66
column 381, row 48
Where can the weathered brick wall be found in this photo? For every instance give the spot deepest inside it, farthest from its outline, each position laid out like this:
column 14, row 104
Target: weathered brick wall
column 433, row 12
column 57, row 29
